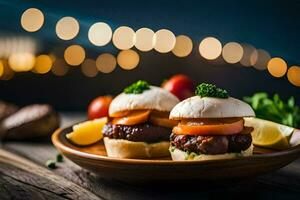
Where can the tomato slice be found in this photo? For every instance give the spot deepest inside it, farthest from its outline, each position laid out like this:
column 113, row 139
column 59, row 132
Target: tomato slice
column 162, row 119
column 120, row 114
column 209, row 129
column 134, row 117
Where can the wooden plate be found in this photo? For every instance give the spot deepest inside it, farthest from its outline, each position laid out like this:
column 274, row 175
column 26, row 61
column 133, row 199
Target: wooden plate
column 94, row 158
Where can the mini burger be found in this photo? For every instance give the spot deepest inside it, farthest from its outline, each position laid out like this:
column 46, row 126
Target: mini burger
column 139, row 124
column 211, row 126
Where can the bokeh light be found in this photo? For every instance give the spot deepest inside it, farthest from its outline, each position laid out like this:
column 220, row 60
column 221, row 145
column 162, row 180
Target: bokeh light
column 259, row 59
column 106, row 63
column 232, row 52
column 124, row 38
column 43, row 64
column 293, row 75
column 128, row 59
column 32, row 19
column 74, row 55
column 21, row 62
column 277, row 67
column 210, row 48
column 144, row 39
column 52, row 57
column 248, row 50
column 164, row 41
column 1, row 68
column 60, row 67
column 11, row 45
column 183, row 46
column 67, row 28
column 7, row 73
column 88, row 68
column 100, row 34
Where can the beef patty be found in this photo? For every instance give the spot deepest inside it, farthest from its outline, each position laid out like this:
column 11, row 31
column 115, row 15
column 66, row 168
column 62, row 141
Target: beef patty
column 213, row 144
column 145, row 132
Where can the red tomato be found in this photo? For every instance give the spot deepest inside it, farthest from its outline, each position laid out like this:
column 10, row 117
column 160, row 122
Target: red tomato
column 180, row 85
column 99, row 107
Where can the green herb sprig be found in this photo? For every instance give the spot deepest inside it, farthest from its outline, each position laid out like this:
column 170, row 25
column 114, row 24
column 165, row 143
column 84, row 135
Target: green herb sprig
column 51, row 164
column 210, row 90
column 137, row 87
column 275, row 109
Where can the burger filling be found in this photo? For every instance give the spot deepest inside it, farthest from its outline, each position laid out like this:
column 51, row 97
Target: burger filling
column 139, row 126
column 145, row 132
column 212, row 136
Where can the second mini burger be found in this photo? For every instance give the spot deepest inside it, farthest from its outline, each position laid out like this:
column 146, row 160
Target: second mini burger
column 211, row 126
column 139, row 126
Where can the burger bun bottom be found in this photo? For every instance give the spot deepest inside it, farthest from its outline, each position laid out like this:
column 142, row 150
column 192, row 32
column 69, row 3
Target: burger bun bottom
column 178, row 155
column 120, row 148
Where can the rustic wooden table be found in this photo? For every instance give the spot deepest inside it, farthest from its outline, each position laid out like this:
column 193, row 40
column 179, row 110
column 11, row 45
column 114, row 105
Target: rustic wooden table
column 23, row 175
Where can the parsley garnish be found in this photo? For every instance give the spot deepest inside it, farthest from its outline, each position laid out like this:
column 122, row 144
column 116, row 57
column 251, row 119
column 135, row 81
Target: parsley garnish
column 51, row 164
column 59, row 158
column 275, row 109
column 210, row 90
column 137, row 87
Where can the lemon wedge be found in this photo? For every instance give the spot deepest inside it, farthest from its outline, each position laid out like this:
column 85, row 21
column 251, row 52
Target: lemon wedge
column 269, row 134
column 88, row 132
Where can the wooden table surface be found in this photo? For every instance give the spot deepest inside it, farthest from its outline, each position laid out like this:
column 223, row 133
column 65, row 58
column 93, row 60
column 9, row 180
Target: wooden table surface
column 23, row 175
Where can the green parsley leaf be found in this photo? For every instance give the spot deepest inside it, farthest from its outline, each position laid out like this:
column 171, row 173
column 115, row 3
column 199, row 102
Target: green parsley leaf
column 137, row 87
column 210, row 90
column 59, row 158
column 51, row 164
column 275, row 109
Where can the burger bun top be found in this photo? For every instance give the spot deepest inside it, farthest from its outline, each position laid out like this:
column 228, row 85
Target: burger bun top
column 210, row 107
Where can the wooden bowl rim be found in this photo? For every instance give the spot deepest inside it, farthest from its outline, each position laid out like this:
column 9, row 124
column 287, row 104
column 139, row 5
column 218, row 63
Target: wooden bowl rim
column 64, row 148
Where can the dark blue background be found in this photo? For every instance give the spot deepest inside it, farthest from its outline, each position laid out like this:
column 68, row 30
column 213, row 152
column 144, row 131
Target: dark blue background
column 270, row 25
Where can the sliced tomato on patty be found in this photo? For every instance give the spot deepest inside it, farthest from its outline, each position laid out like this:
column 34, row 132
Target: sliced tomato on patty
column 132, row 118
column 162, row 119
column 228, row 126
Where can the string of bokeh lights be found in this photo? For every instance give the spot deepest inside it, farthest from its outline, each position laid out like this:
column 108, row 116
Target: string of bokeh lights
column 125, row 38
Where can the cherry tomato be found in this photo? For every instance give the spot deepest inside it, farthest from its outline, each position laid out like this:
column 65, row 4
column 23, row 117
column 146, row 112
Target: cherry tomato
column 180, row 85
column 99, row 107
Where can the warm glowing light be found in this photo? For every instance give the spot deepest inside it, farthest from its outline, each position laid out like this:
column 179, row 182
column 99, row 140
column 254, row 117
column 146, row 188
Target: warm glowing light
column 248, row 50
column 21, row 62
column 52, row 57
column 67, row 28
column 293, row 75
column 7, row 73
column 11, row 45
column 124, row 38
column 60, row 67
column 144, row 39
column 1, row 68
column 253, row 57
column 128, row 59
column 183, row 46
column 277, row 67
column 74, row 55
column 259, row 59
column 32, row 19
column 210, row 48
column 89, row 68
column 43, row 64
column 106, row 63
column 165, row 41
column 100, row 34
column 232, row 52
